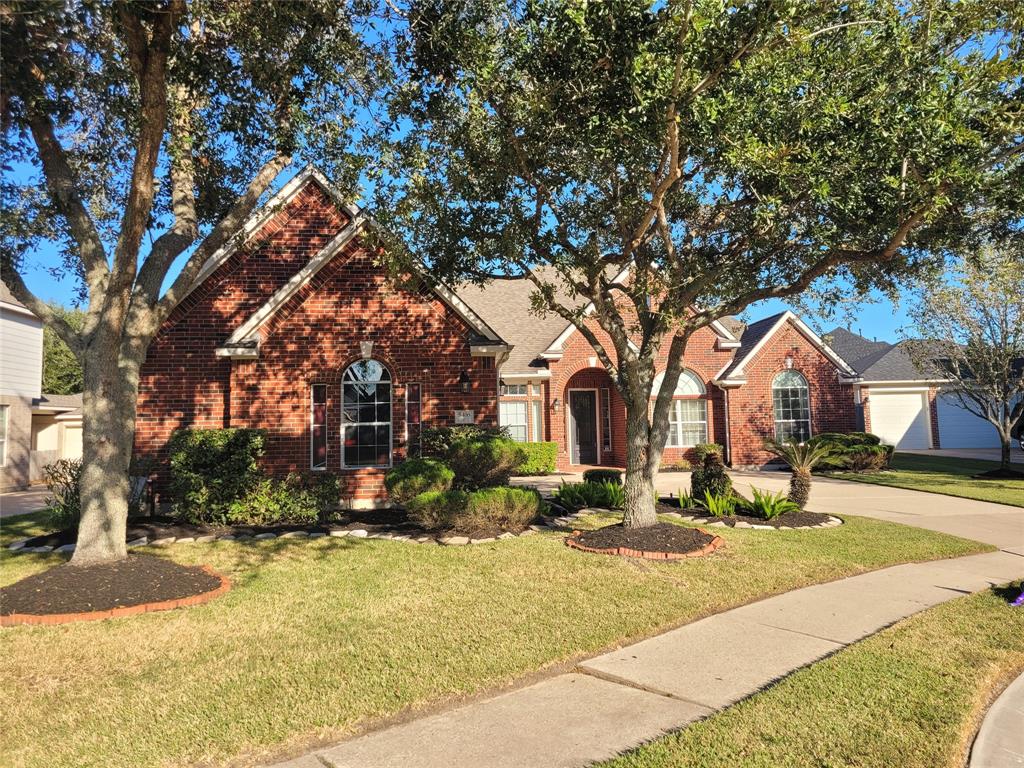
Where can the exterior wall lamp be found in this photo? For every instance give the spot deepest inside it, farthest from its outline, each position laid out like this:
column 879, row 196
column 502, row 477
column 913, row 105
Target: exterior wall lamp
column 464, row 381
column 556, row 405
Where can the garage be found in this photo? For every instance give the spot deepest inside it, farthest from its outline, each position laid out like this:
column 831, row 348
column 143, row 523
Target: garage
column 900, row 418
column 959, row 428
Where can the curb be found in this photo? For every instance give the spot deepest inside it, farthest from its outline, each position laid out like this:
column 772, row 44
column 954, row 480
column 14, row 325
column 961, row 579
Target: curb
column 15, row 619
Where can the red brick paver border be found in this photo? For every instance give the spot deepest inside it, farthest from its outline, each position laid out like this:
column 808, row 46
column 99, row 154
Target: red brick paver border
column 14, row 619
column 707, row 549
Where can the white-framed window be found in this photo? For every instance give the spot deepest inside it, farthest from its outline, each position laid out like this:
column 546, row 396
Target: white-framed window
column 688, row 415
column 366, row 415
column 513, row 418
column 318, row 426
column 513, row 389
column 688, row 423
column 535, row 390
column 537, row 418
column 4, row 409
column 791, row 404
column 606, row 420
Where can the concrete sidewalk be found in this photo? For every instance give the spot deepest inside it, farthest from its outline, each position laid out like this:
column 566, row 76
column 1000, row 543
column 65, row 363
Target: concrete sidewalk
column 620, row 699
column 1000, row 742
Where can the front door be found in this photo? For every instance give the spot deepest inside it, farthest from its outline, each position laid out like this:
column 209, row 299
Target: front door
column 583, row 423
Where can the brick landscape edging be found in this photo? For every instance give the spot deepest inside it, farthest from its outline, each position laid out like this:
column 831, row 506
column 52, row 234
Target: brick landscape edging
column 14, row 619
column 707, row 549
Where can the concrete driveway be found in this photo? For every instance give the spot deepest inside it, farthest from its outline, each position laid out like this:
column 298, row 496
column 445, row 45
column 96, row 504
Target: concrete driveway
column 983, row 454
column 997, row 524
column 22, row 502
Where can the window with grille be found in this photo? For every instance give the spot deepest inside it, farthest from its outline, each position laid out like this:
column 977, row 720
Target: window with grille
column 791, row 403
column 513, row 418
column 318, row 427
column 366, row 415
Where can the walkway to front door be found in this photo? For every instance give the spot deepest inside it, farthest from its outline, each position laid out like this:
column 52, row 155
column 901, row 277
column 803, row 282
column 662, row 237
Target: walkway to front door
column 583, row 426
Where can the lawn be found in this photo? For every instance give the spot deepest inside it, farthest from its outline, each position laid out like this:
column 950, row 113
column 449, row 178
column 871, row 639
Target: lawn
column 943, row 474
column 911, row 696
column 320, row 638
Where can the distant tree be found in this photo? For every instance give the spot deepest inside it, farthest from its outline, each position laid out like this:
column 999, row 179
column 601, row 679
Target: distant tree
column 970, row 329
column 711, row 154
column 62, row 373
column 138, row 137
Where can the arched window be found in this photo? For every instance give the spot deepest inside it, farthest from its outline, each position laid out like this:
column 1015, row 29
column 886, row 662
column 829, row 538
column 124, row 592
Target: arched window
column 366, row 415
column 792, row 405
column 688, row 416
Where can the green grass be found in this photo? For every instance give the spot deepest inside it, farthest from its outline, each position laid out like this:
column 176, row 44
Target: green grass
column 943, row 474
column 319, row 638
column 911, row 696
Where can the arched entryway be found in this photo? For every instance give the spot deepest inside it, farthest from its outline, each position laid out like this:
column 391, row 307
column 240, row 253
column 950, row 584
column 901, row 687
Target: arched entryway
column 592, row 411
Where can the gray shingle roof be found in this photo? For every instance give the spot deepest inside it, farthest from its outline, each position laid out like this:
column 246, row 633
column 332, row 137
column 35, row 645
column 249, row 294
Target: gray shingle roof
column 7, row 297
column 505, row 305
column 751, row 335
column 853, row 347
column 58, row 401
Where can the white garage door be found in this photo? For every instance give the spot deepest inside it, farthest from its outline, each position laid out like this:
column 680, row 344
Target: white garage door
column 959, row 428
column 900, row 418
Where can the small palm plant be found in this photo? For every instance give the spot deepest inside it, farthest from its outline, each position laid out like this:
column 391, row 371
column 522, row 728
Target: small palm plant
column 802, row 458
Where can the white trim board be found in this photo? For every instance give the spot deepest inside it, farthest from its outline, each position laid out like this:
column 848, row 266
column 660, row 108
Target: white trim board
column 738, row 372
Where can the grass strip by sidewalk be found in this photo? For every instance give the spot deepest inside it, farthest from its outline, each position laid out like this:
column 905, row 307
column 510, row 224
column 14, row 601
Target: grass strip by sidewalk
column 911, row 696
column 945, row 475
column 319, row 638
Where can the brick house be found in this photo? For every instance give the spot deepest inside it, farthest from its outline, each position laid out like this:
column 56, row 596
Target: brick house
column 297, row 329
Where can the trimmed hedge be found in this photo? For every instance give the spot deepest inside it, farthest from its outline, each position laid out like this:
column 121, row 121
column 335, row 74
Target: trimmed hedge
column 211, row 469
column 602, row 476
column 508, row 509
column 438, row 441
column 541, row 458
column 483, row 463
column 415, row 476
column 299, row 499
column 855, row 451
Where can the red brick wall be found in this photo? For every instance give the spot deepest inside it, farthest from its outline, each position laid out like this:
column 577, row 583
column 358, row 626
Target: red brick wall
column 310, row 341
column 574, row 370
column 750, row 406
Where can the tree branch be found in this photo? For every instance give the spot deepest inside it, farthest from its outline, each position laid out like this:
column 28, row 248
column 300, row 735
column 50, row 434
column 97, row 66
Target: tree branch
column 43, row 311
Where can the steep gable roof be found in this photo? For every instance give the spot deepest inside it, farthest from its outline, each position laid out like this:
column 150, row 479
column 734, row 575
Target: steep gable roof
column 244, row 341
column 853, row 347
column 757, row 334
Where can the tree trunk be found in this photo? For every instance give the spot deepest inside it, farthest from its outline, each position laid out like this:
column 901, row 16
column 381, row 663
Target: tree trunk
column 108, row 434
column 800, row 487
column 1005, row 446
column 640, row 469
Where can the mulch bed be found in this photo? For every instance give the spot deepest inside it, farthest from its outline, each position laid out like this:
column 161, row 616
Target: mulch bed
column 788, row 520
column 135, row 581
column 393, row 520
column 660, row 541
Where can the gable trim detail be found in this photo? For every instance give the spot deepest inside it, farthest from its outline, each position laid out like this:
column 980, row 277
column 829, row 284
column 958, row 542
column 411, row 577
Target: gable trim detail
column 738, row 373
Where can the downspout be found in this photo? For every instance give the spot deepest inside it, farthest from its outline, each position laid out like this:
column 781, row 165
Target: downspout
column 728, row 437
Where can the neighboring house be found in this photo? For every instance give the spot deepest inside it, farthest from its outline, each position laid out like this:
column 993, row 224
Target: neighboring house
column 296, row 328
column 35, row 429
column 903, row 406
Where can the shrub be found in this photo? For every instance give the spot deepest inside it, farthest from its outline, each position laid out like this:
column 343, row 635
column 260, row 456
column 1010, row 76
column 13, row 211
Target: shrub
column 62, row 479
column 437, row 441
column 540, row 458
column 686, row 500
column 299, row 499
column 709, row 476
column 801, row 458
column 702, row 450
column 579, row 495
column 855, row 451
column 677, row 465
column 437, row 509
column 719, row 504
column 602, row 476
column 211, row 469
column 483, row 463
column 415, row 476
column 769, row 505
column 510, row 509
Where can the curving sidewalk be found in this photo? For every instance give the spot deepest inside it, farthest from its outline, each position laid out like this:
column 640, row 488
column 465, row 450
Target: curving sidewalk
column 623, row 698
column 1000, row 742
